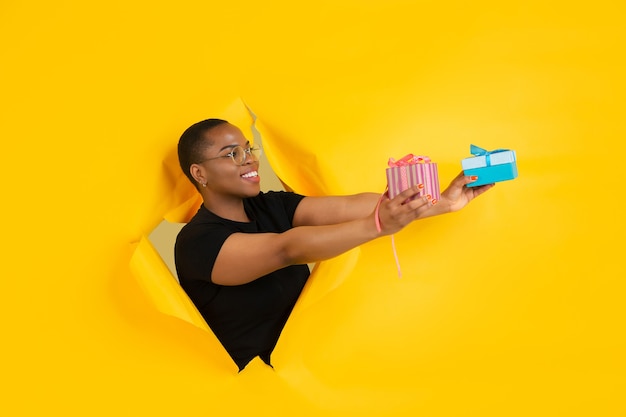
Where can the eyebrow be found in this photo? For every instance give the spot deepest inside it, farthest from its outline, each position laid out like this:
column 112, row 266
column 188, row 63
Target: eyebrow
column 232, row 146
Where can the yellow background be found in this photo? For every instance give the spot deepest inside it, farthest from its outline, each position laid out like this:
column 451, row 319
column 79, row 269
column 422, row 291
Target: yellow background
column 513, row 306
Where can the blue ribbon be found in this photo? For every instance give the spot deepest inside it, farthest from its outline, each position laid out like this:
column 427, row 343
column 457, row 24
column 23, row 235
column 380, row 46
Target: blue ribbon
column 476, row 151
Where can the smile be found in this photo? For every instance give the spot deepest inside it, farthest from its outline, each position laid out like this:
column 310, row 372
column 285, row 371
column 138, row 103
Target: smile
column 250, row 174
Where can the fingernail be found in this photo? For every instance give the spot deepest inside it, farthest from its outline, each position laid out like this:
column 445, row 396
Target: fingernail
column 428, row 196
column 434, row 201
column 420, row 186
column 473, row 178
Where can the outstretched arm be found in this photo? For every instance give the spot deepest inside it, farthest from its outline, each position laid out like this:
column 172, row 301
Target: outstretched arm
column 245, row 257
column 329, row 226
column 318, row 211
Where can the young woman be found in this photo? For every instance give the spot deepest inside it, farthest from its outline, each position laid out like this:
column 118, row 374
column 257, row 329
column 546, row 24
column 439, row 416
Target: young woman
column 243, row 257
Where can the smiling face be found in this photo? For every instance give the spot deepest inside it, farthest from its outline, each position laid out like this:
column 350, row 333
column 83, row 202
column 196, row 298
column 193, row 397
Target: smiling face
column 225, row 180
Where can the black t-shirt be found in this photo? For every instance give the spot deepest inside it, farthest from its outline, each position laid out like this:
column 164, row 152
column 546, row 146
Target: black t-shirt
column 247, row 319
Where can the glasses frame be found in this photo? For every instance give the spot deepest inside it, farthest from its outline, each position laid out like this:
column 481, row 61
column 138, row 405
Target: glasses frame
column 247, row 152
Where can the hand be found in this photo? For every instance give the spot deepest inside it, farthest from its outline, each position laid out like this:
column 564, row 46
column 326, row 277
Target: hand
column 394, row 214
column 457, row 195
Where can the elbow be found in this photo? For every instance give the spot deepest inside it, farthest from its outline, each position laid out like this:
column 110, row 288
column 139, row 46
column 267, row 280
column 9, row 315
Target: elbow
column 290, row 256
column 294, row 253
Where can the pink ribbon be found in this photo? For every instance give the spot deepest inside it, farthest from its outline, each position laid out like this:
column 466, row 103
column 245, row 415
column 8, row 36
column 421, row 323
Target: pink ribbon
column 409, row 159
column 379, row 229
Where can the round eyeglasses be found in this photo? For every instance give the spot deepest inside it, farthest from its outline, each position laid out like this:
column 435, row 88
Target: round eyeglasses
column 239, row 155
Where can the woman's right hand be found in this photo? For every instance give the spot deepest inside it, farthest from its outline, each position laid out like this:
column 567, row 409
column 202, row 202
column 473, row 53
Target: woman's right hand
column 396, row 213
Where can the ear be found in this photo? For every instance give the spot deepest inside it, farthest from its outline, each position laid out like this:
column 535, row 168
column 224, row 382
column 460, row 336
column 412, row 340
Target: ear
column 198, row 173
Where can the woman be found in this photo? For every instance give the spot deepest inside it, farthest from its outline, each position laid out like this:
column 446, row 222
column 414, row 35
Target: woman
column 243, row 257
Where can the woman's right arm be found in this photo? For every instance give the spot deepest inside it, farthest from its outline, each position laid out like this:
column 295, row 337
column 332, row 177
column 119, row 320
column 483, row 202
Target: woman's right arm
column 245, row 257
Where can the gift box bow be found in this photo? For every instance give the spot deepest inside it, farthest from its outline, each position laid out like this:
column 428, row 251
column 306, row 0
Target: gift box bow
column 477, row 151
column 409, row 159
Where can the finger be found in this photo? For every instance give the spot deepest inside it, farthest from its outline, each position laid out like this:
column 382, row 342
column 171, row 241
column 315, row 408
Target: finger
column 462, row 179
column 420, row 202
column 408, row 193
column 482, row 188
column 468, row 179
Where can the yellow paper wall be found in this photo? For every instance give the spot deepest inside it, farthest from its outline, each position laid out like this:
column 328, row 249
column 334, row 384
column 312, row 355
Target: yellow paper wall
column 512, row 307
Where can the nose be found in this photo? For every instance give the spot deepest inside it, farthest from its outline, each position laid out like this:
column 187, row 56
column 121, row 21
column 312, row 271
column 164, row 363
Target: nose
column 250, row 158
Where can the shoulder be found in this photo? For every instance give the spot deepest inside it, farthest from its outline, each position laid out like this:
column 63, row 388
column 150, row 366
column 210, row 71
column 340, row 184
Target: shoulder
column 197, row 245
column 273, row 210
column 202, row 222
column 275, row 200
column 277, row 196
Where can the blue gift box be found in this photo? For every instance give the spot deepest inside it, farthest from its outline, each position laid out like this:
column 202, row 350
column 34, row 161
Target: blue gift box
column 490, row 166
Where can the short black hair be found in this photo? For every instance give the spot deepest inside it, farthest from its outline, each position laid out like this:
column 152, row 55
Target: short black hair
column 191, row 145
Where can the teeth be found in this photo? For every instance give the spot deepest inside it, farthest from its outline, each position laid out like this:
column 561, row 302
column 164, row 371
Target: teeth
column 251, row 174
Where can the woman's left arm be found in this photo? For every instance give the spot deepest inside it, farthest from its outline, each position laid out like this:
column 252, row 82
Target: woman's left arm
column 319, row 211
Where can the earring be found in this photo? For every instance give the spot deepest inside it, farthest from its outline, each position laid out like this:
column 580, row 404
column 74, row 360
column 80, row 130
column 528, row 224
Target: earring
column 204, row 184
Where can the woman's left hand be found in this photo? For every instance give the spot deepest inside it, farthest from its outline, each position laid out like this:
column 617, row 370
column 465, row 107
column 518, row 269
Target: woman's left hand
column 457, row 195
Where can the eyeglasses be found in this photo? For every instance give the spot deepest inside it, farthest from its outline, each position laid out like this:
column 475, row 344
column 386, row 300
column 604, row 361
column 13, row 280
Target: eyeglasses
column 239, row 155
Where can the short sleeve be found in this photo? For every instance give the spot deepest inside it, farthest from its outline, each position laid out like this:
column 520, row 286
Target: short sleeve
column 284, row 201
column 196, row 249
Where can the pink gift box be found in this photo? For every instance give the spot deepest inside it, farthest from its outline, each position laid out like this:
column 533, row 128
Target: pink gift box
column 412, row 170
